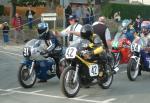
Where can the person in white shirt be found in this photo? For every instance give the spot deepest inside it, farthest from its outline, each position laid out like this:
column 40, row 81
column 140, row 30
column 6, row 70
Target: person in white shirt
column 72, row 32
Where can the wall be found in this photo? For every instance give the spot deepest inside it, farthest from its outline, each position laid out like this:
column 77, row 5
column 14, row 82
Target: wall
column 22, row 10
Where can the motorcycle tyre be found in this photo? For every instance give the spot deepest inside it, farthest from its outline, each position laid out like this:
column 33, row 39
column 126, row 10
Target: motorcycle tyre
column 62, row 81
column 130, row 65
column 21, row 81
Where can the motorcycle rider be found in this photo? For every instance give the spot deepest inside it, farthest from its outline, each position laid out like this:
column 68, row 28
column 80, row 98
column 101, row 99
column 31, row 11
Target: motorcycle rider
column 144, row 41
column 50, row 42
column 145, row 26
column 145, row 35
column 96, row 43
column 96, row 47
column 128, row 29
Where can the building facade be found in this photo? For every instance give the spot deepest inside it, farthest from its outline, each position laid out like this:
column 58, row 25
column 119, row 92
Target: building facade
column 146, row 2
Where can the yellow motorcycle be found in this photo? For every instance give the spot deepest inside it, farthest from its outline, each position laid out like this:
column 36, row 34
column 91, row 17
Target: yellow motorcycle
column 83, row 70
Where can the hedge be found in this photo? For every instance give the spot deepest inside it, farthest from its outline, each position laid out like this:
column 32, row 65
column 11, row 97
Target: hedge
column 1, row 10
column 127, row 10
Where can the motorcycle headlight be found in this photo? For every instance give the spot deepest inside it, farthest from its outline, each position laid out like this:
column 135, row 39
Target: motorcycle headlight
column 26, row 52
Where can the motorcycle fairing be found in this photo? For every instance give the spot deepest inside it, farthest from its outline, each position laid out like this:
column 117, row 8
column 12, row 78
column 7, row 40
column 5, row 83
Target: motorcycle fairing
column 43, row 68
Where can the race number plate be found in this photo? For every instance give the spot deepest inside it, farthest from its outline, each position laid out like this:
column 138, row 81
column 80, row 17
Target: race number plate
column 26, row 51
column 70, row 52
column 93, row 70
column 135, row 47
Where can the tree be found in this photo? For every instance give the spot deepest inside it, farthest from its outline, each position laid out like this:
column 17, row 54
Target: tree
column 13, row 5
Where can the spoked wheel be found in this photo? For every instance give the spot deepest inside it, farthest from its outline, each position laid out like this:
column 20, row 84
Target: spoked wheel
column 61, row 66
column 25, row 79
column 117, row 58
column 68, row 86
column 106, row 80
column 132, row 71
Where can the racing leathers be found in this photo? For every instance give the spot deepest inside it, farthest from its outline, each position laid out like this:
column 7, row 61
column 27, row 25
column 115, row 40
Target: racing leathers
column 96, row 46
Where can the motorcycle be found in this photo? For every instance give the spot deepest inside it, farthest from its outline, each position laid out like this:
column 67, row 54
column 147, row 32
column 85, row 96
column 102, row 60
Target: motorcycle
column 139, row 61
column 82, row 70
column 37, row 64
column 121, row 49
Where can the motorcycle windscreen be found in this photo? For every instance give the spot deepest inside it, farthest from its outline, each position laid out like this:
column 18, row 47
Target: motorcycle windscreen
column 117, row 37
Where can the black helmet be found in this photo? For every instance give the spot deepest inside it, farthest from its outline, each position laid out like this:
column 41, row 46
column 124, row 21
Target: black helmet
column 86, row 31
column 42, row 30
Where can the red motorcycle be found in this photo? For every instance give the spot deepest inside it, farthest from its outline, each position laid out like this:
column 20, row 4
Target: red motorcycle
column 121, row 49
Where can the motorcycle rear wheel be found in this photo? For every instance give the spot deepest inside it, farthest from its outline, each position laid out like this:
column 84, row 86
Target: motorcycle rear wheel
column 73, row 88
column 23, row 76
column 132, row 72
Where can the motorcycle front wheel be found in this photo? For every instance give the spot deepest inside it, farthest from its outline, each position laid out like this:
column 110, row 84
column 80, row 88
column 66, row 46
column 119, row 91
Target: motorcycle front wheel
column 25, row 79
column 106, row 80
column 68, row 87
column 132, row 72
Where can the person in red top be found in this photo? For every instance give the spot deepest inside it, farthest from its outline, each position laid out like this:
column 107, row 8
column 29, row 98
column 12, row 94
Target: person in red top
column 18, row 26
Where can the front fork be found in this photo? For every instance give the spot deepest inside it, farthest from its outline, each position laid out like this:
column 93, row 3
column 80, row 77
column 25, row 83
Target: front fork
column 76, row 73
column 32, row 67
column 138, row 62
column 137, row 59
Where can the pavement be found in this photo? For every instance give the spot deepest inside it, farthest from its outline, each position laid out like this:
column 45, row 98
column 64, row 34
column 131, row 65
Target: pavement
column 121, row 91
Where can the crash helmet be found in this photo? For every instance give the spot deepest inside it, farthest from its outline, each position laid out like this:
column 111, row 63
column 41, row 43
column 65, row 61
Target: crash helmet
column 86, row 31
column 42, row 30
column 124, row 25
column 145, row 27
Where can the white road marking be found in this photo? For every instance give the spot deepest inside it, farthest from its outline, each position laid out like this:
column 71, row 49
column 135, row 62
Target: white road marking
column 109, row 100
column 37, row 91
column 10, row 89
column 61, row 97
column 10, row 53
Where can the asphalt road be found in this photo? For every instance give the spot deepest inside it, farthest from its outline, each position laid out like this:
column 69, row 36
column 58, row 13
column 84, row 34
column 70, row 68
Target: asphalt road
column 121, row 91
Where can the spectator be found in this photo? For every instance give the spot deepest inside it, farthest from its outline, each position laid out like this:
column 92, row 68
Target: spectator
column 5, row 30
column 29, row 14
column 102, row 30
column 78, row 11
column 68, row 12
column 85, row 15
column 91, row 13
column 137, row 24
column 18, row 26
column 72, row 32
column 59, row 11
column 117, row 17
